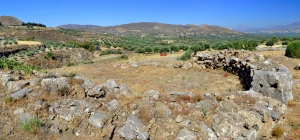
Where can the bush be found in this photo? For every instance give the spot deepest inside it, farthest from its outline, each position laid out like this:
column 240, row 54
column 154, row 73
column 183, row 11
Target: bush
column 186, row 55
column 31, row 125
column 277, row 131
column 174, row 48
column 156, row 49
column 124, row 56
column 164, row 49
column 148, row 49
column 139, row 50
column 8, row 99
column 270, row 43
column 293, row 50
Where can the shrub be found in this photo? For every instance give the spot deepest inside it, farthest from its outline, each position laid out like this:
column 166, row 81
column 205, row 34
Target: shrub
column 31, row 125
column 186, row 55
column 219, row 98
column 270, row 43
column 7, row 99
column 63, row 91
column 124, row 56
column 174, row 48
column 51, row 75
column 164, row 49
column 148, row 49
column 139, row 50
column 293, row 50
column 156, row 49
column 70, row 64
column 277, row 131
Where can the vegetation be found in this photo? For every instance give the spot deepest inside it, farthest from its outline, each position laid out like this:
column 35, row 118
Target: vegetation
column 13, row 65
column 293, row 50
column 186, row 55
column 31, row 125
column 277, row 131
column 124, row 56
column 8, row 99
column 31, row 24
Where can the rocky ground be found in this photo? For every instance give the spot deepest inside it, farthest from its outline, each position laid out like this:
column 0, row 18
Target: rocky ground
column 142, row 98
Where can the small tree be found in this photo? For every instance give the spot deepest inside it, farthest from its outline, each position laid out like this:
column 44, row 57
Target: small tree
column 148, row 49
column 293, row 50
column 1, row 24
column 270, row 43
column 174, row 48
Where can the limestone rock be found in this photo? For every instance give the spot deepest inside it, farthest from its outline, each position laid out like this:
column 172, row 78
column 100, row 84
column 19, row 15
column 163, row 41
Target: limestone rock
column 124, row 89
column 275, row 84
column 20, row 94
column 98, row 119
column 97, row 91
column 5, row 78
column 110, row 85
column 78, row 91
column 153, row 94
column 133, row 128
column 54, row 84
column 16, row 85
column 112, row 105
column 185, row 134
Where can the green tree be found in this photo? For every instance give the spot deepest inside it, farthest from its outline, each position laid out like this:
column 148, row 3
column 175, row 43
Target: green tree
column 87, row 45
column 0, row 24
column 174, row 48
column 270, row 42
column 148, row 49
column 293, row 50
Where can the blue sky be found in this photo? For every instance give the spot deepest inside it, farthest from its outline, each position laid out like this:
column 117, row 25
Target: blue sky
column 225, row 13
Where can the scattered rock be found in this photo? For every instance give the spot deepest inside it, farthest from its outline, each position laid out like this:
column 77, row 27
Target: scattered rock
column 185, row 134
column 153, row 94
column 16, row 85
column 124, row 89
column 98, row 119
column 133, row 128
column 178, row 119
column 20, row 94
column 112, row 105
column 97, row 91
column 55, row 84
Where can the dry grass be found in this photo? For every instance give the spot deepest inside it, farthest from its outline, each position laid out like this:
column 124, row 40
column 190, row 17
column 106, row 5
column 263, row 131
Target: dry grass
column 74, row 81
column 145, row 114
column 277, row 131
column 29, row 43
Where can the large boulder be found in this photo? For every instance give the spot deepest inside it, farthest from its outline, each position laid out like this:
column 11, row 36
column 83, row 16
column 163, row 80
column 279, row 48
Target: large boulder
column 276, row 84
column 55, row 84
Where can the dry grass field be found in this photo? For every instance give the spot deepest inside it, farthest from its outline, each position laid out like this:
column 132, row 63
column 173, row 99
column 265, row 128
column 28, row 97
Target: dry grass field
column 29, row 43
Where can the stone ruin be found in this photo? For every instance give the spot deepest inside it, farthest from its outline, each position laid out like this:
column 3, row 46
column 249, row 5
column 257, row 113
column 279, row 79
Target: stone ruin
column 255, row 73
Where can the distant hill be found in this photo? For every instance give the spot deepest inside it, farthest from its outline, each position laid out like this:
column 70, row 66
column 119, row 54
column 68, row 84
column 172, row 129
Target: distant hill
column 154, row 29
column 10, row 21
column 275, row 29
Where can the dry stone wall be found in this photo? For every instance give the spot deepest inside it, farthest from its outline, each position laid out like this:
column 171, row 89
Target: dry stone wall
column 265, row 76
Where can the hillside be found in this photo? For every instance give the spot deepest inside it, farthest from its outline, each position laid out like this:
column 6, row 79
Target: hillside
column 153, row 29
column 281, row 29
column 10, row 21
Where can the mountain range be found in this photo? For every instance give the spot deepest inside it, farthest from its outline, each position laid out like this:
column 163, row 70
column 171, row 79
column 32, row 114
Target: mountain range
column 154, row 29
column 273, row 29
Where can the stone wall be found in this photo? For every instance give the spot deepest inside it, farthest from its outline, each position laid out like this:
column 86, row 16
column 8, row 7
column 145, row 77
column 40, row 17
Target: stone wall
column 264, row 76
